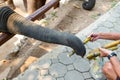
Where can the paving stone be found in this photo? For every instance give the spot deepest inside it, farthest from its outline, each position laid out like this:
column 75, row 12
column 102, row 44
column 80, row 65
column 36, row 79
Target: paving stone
column 73, row 75
column 102, row 42
column 60, row 49
column 117, row 8
column 81, row 65
column 108, row 24
column 118, row 56
column 46, row 78
column 92, row 45
column 43, row 72
column 113, row 30
column 102, row 29
column 116, row 27
column 58, row 70
column 70, row 67
column 117, row 21
column 65, row 59
column 112, row 19
column 87, row 75
column 54, row 53
column 30, row 75
column 118, row 52
column 100, row 25
column 55, row 60
column 115, row 14
column 88, row 50
column 45, row 63
column 34, row 67
column 69, row 49
column 90, row 79
column 60, row 78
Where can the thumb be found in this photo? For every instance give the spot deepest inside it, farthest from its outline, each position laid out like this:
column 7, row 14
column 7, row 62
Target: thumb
column 101, row 49
column 106, row 52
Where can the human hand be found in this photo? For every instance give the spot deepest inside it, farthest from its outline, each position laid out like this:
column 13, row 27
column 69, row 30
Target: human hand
column 94, row 36
column 104, row 52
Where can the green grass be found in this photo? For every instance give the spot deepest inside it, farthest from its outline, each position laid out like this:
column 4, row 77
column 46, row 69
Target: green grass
column 114, row 2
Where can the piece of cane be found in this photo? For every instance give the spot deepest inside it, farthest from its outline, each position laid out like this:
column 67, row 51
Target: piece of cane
column 96, row 53
column 84, row 42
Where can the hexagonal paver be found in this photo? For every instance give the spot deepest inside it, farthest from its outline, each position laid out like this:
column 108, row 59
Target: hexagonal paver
column 70, row 67
column 65, row 59
column 73, row 75
column 58, row 70
column 45, row 63
column 61, row 78
column 43, row 72
column 82, row 65
column 46, row 78
column 112, row 19
column 87, row 75
column 30, row 75
column 108, row 24
column 55, row 60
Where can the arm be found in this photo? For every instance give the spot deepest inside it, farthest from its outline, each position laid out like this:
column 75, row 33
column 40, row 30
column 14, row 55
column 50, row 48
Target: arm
column 116, row 64
column 109, row 36
column 113, row 60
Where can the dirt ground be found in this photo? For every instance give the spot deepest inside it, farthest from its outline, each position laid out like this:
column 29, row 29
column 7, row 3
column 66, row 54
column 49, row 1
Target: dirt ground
column 69, row 17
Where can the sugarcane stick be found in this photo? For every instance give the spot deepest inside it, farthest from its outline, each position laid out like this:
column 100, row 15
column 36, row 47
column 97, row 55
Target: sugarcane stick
column 84, row 42
column 111, row 46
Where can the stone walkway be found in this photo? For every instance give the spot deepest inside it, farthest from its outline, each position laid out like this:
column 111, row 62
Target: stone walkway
column 56, row 65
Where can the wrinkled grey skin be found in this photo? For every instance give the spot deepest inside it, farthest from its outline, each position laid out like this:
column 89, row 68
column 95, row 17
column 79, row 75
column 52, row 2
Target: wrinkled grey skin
column 13, row 23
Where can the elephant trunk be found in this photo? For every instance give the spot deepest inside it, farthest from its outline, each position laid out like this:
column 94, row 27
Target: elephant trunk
column 16, row 24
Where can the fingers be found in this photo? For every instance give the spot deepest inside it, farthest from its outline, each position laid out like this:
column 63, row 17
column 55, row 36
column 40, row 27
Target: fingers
column 102, row 49
column 104, row 52
column 93, row 36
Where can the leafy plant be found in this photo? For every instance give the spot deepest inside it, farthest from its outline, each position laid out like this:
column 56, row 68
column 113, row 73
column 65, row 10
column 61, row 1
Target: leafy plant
column 113, row 3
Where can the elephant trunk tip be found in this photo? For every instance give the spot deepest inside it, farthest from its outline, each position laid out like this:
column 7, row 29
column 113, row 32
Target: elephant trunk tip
column 77, row 45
